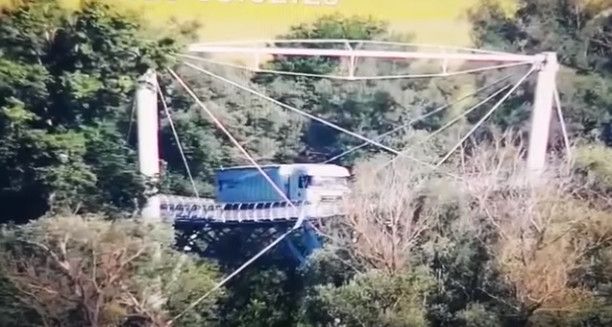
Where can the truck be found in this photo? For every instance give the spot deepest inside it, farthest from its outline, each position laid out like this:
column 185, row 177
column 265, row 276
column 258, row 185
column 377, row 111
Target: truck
column 306, row 183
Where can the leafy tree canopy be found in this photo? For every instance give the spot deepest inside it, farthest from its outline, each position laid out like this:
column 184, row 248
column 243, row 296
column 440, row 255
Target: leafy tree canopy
column 66, row 82
column 88, row 271
column 580, row 33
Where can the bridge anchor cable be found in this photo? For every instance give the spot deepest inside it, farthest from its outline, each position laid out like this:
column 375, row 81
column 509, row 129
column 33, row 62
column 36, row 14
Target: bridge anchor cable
column 313, row 117
column 256, row 165
column 178, row 141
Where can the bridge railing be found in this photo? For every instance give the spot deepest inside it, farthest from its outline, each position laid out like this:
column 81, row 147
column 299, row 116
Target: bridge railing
column 201, row 209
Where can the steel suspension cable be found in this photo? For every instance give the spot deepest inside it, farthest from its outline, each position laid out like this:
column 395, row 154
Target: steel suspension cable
column 451, row 122
column 232, row 275
column 131, row 122
column 178, row 141
column 486, row 116
column 356, row 78
column 313, row 117
column 256, row 165
column 412, row 121
column 563, row 126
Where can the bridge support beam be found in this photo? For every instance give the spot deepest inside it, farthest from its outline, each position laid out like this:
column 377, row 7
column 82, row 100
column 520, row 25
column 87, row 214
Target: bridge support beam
column 542, row 114
column 148, row 145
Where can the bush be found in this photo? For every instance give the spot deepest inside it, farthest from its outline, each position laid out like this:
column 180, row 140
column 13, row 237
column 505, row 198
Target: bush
column 371, row 299
column 86, row 271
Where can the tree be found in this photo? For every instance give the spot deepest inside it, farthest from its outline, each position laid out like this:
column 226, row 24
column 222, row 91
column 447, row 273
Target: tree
column 87, row 271
column 497, row 249
column 370, row 299
column 541, row 236
column 579, row 31
column 265, row 295
column 369, row 108
column 67, row 80
column 388, row 213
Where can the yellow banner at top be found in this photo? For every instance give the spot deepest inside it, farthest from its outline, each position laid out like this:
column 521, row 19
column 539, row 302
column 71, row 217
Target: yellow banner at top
column 432, row 21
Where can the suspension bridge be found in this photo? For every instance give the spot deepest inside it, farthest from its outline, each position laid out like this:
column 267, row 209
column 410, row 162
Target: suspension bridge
column 204, row 218
column 200, row 210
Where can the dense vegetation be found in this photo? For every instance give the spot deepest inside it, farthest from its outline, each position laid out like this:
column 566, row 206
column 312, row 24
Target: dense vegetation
column 488, row 249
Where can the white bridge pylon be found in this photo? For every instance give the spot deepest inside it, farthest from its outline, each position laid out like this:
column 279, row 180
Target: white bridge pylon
column 545, row 64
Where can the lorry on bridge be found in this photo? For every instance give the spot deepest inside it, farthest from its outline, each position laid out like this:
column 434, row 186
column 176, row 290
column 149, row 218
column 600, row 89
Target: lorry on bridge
column 313, row 183
column 244, row 194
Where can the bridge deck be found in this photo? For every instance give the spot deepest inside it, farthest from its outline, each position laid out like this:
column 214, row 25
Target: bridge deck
column 191, row 209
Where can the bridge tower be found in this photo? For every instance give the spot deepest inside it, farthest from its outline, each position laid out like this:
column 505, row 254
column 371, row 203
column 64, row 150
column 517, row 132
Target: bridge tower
column 148, row 145
column 542, row 112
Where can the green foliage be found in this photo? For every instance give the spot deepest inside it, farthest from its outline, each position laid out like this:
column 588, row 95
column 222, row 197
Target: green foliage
column 327, row 27
column 66, row 80
column 263, row 297
column 13, row 313
column 328, row 266
column 121, row 188
column 370, row 299
column 477, row 315
column 595, row 161
column 368, row 108
column 579, row 33
column 470, row 289
column 267, row 133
